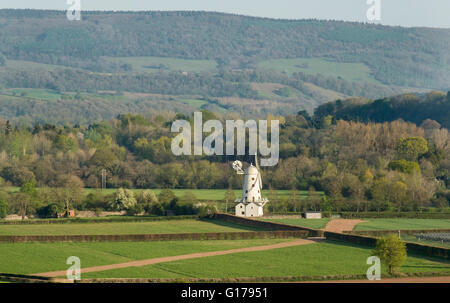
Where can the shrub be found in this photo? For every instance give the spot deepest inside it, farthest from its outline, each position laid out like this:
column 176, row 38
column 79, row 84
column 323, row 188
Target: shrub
column 391, row 250
column 50, row 211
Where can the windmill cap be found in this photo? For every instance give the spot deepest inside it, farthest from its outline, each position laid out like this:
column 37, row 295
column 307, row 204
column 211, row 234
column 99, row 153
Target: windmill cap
column 252, row 170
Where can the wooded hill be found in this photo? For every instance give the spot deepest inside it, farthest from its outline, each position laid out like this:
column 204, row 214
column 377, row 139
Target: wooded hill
column 224, row 62
column 416, row 108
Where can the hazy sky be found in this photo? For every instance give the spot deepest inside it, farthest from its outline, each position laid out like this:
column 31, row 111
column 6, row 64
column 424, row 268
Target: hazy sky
column 431, row 13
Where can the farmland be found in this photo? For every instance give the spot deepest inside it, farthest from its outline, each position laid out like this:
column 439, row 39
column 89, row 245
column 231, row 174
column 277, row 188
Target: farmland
column 316, row 223
column 159, row 227
column 372, row 224
column 355, row 72
column 330, row 258
column 28, row 258
column 398, row 223
column 154, row 64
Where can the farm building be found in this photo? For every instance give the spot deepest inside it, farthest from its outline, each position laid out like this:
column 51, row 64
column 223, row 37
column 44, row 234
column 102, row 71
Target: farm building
column 312, row 215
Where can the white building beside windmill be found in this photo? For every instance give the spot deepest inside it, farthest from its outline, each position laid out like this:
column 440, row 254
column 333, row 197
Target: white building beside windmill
column 251, row 203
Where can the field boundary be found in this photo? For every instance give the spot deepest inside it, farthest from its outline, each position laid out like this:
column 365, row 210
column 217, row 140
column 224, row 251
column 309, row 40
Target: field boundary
column 262, row 279
column 426, row 250
column 281, row 234
column 265, row 224
column 378, row 233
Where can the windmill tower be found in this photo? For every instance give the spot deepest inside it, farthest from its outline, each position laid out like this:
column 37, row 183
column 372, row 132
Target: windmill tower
column 251, row 203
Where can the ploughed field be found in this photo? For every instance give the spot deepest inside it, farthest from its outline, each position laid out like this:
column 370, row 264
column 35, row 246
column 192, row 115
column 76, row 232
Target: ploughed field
column 120, row 228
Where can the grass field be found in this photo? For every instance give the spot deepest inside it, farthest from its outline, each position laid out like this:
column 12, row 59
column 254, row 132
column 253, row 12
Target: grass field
column 355, row 72
column 152, row 64
column 28, row 258
column 157, row 227
column 329, row 258
column 398, row 223
column 201, row 194
column 316, row 223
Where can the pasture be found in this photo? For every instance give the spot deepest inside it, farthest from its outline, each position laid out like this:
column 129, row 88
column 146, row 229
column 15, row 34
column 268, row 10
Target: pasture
column 400, row 223
column 154, row 64
column 354, row 72
column 200, row 194
column 313, row 223
column 325, row 258
column 29, row 258
column 121, row 228
column 370, row 224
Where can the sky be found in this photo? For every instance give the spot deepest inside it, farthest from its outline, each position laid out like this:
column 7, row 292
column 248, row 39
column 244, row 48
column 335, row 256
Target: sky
column 429, row 13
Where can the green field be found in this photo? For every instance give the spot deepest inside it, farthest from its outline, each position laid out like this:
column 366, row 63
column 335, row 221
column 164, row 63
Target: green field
column 330, row 258
column 152, row 64
column 201, row 194
column 399, row 223
column 116, row 228
column 354, row 72
column 29, row 258
column 310, row 223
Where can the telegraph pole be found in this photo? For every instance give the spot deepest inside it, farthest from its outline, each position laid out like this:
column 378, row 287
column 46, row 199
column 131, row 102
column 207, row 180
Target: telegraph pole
column 103, row 179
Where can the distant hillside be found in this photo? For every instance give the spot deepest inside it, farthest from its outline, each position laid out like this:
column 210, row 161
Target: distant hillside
column 409, row 107
column 219, row 62
column 417, row 57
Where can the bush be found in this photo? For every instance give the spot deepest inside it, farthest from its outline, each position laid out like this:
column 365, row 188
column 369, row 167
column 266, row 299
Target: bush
column 391, row 250
column 155, row 208
column 135, row 210
column 50, row 211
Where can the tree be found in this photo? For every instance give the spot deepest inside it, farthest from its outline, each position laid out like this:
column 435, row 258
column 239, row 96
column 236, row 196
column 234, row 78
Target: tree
column 391, row 250
column 146, row 197
column 166, row 196
column 69, row 191
column 407, row 167
column 411, row 148
column 22, row 204
column 3, row 209
column 229, row 197
column 123, row 200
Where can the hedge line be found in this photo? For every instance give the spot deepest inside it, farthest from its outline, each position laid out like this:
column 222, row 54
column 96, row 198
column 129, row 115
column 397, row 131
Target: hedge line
column 265, row 224
column 264, row 279
column 379, row 233
column 98, row 220
column 157, row 237
column 421, row 249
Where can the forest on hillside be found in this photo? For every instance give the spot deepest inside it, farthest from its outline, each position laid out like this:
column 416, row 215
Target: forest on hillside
column 395, row 166
column 210, row 56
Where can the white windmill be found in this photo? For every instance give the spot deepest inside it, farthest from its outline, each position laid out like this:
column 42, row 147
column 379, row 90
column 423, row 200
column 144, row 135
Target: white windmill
column 251, row 203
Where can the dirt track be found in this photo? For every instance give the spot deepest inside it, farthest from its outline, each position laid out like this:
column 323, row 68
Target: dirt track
column 54, row 274
column 341, row 225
